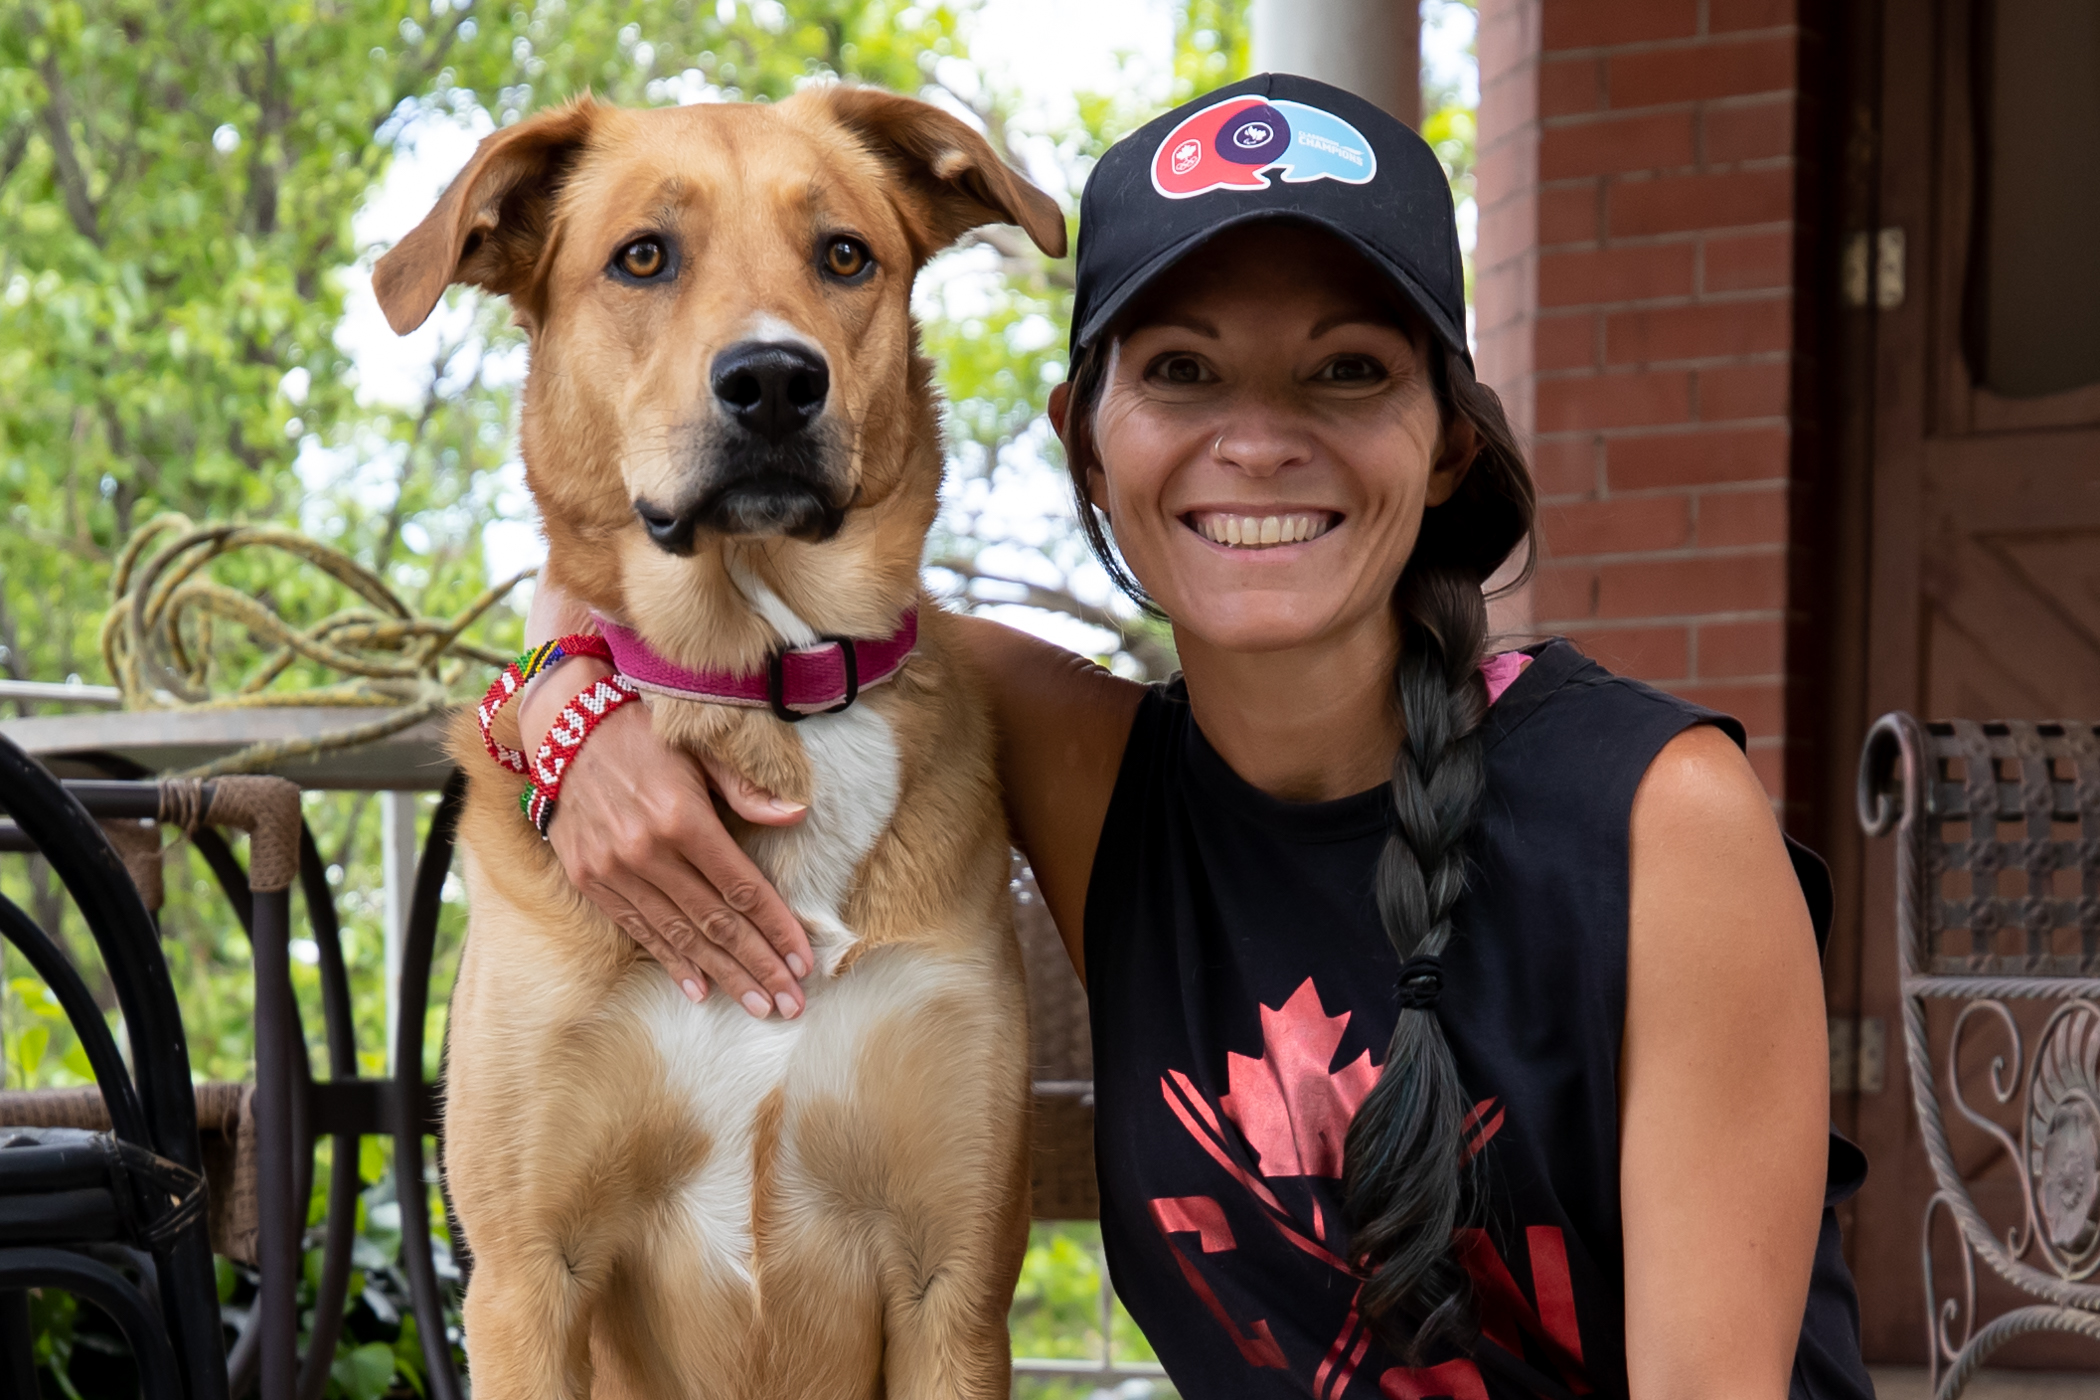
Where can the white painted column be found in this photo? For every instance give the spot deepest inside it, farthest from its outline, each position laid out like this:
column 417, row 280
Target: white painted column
column 397, row 843
column 1372, row 48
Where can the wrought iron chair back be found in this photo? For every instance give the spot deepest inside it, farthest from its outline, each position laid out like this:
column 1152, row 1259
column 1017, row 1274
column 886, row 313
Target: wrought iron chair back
column 139, row 1185
column 285, row 1110
column 1998, row 902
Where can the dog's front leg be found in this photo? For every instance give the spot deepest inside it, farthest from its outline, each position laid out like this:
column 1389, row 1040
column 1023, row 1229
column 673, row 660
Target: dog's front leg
column 944, row 1333
column 527, row 1318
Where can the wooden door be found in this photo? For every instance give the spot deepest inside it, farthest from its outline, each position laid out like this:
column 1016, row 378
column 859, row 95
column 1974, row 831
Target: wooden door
column 1982, row 473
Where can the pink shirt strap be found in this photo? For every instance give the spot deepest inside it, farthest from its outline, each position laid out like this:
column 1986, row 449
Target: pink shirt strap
column 1501, row 670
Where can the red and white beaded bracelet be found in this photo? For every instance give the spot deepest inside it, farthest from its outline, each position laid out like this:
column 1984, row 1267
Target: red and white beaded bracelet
column 585, row 711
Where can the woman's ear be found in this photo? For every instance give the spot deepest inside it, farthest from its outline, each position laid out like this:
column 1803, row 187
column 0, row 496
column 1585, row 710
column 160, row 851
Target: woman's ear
column 1459, row 446
column 1060, row 420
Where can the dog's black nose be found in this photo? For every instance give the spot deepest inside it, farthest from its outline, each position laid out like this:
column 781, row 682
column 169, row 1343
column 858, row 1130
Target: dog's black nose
column 772, row 389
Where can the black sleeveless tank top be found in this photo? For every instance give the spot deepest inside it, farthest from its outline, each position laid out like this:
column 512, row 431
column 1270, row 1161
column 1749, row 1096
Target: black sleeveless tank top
column 1243, row 993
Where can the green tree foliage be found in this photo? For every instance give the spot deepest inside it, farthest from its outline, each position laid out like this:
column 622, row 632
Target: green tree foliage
column 1212, row 42
column 1449, row 122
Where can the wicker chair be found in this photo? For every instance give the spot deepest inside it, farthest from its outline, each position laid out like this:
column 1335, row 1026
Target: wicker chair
column 1998, row 921
column 1062, row 1057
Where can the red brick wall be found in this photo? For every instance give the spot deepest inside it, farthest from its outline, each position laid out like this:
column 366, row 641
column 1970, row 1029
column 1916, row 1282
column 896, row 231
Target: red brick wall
column 1634, row 287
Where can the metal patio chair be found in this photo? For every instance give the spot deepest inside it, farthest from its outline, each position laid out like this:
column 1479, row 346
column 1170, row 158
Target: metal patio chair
column 1998, row 917
column 269, row 1130
column 71, row 1200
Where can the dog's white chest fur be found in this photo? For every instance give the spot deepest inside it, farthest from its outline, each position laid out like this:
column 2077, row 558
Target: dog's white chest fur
column 854, row 762
column 723, row 1062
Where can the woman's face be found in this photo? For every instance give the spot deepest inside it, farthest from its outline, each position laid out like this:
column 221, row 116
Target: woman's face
column 1267, row 440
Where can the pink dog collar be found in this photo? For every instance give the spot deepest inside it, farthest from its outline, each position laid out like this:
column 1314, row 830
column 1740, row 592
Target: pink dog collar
column 795, row 684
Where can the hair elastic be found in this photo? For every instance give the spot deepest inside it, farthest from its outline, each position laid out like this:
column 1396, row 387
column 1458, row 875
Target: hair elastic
column 1421, row 983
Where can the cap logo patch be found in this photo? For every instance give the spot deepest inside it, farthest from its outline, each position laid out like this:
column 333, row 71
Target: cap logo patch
column 1232, row 145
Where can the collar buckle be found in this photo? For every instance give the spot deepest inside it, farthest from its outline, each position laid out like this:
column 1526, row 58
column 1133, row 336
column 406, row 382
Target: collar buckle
column 776, row 680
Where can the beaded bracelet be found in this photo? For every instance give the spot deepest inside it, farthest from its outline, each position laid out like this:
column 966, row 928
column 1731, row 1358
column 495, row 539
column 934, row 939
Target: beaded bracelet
column 584, row 712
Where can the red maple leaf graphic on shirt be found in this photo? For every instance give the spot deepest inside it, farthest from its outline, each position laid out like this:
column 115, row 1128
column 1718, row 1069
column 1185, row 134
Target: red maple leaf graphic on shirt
column 1293, row 1110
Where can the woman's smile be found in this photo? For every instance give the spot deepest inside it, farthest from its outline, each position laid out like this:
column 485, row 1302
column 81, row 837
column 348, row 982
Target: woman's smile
column 1263, row 529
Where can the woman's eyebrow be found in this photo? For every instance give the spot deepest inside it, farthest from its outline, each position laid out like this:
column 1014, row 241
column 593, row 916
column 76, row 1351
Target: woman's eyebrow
column 1182, row 321
column 1354, row 318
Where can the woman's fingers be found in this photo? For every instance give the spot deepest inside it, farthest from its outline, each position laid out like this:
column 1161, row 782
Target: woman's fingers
column 725, row 971
column 729, row 873
column 748, row 800
column 701, row 883
column 691, row 978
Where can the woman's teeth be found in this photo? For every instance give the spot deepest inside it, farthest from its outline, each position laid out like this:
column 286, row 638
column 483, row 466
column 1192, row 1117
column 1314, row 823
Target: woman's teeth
column 1260, row 531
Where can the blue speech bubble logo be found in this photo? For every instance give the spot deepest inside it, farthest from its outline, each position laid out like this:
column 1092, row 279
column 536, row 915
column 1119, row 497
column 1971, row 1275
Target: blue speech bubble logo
column 1324, row 147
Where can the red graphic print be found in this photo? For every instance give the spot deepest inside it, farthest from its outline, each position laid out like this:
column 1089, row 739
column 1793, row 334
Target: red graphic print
column 1194, row 1215
column 1190, row 1106
column 1292, row 1109
column 1204, row 1218
column 1342, row 1358
column 1454, row 1380
column 1506, row 1318
column 1480, row 1126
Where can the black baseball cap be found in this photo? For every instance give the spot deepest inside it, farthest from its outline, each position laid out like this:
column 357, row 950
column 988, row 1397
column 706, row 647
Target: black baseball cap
column 1273, row 146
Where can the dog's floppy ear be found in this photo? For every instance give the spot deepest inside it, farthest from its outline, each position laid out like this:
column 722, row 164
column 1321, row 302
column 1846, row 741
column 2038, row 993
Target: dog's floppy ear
column 492, row 221
column 951, row 180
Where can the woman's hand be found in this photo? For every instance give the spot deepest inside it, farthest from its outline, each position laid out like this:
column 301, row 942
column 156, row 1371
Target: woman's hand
column 637, row 831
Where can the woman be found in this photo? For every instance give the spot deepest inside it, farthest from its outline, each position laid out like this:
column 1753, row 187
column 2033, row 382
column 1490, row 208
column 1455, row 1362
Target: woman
column 1457, row 1019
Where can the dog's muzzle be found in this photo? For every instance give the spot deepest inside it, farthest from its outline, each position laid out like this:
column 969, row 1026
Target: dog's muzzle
column 775, row 467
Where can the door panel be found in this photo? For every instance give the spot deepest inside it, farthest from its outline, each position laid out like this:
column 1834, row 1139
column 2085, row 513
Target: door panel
column 1983, row 532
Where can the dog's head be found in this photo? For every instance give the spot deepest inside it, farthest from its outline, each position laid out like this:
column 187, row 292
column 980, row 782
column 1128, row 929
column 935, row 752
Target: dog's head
column 718, row 300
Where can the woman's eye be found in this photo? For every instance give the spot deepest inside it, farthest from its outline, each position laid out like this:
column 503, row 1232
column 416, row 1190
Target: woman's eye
column 1355, row 369
column 1180, row 369
column 644, row 258
column 847, row 258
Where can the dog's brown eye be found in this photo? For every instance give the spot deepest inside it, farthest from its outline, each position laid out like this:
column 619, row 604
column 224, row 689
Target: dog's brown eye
column 846, row 257
column 642, row 258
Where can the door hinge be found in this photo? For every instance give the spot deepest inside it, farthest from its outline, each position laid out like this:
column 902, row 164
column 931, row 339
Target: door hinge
column 1856, row 271
column 1871, row 270
column 1888, row 269
column 1858, row 1055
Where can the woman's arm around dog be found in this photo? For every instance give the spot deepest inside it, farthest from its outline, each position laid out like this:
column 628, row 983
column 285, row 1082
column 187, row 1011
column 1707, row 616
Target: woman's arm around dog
column 638, row 832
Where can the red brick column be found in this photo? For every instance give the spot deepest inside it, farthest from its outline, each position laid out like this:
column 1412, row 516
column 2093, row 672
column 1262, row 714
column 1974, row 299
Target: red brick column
column 1634, row 284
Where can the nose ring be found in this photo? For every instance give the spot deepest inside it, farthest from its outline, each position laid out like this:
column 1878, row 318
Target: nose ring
column 1217, row 449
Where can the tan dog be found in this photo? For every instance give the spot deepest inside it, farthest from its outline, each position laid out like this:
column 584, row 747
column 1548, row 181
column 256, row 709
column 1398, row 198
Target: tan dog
column 670, row 1199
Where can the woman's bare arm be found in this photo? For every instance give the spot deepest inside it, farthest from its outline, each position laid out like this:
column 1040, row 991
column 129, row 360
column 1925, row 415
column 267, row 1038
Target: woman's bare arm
column 637, row 831
column 1063, row 722
column 1724, row 1084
